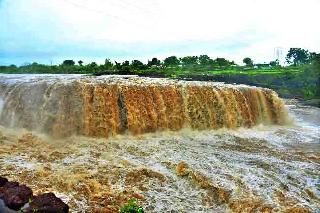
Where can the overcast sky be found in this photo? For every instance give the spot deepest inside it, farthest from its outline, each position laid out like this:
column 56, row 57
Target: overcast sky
column 48, row 31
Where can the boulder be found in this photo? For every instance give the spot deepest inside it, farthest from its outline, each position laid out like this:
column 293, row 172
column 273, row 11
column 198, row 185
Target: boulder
column 7, row 185
column 47, row 203
column 17, row 196
column 3, row 181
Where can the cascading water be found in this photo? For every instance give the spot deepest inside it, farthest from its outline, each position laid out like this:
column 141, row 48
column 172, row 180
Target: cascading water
column 106, row 106
column 248, row 157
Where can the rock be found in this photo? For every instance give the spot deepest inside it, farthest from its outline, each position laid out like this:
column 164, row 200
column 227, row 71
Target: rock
column 182, row 169
column 3, row 181
column 47, row 203
column 16, row 197
column 6, row 186
column 11, row 184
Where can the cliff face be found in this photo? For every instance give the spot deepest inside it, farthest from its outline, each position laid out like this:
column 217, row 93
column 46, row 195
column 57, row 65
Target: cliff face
column 105, row 106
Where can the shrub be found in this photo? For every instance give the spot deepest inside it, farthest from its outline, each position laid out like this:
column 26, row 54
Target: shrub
column 132, row 207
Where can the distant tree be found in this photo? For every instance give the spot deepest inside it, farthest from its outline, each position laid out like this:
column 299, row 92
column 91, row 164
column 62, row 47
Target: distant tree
column 314, row 56
column 125, row 67
column 108, row 65
column 248, row 61
column 80, row 62
column 117, row 66
column 221, row 62
column 171, row 61
column 137, row 65
column 189, row 60
column 93, row 64
column 154, row 62
column 274, row 63
column 315, row 62
column 205, row 60
column 297, row 56
column 68, row 63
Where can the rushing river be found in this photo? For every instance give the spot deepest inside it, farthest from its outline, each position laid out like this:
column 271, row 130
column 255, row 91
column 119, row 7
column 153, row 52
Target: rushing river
column 264, row 168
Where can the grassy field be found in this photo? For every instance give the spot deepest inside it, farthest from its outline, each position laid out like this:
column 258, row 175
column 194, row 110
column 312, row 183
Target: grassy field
column 293, row 81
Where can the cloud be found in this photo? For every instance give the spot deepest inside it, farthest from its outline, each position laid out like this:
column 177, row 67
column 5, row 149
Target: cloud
column 54, row 29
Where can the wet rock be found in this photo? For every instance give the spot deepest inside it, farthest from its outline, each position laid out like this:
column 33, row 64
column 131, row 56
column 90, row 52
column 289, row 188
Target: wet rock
column 6, row 186
column 3, row 181
column 18, row 196
column 47, row 203
column 11, row 184
column 182, row 169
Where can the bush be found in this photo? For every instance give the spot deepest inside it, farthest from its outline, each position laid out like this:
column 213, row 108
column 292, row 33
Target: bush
column 132, row 207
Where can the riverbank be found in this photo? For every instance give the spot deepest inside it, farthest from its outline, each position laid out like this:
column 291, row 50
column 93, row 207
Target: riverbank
column 301, row 86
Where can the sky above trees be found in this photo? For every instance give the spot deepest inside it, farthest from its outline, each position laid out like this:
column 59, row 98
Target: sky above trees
column 53, row 30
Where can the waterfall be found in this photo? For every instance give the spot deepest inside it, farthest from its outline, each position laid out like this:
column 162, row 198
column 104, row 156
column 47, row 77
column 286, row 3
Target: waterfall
column 62, row 105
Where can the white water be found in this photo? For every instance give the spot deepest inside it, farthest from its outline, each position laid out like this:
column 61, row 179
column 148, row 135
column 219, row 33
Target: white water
column 253, row 164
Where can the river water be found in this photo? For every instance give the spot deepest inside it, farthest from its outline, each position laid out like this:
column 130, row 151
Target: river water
column 265, row 168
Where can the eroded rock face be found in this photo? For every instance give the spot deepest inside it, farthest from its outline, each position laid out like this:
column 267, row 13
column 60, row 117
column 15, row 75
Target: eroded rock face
column 47, row 202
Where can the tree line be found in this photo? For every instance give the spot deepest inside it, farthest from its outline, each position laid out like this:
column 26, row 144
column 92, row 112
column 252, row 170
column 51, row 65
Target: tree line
column 294, row 57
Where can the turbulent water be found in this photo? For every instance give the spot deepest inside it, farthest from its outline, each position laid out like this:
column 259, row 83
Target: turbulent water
column 62, row 105
column 193, row 159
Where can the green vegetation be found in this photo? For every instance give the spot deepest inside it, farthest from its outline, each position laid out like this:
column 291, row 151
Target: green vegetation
column 132, row 207
column 300, row 78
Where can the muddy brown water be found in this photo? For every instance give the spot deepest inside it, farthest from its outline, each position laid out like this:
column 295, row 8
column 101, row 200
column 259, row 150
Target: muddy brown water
column 263, row 167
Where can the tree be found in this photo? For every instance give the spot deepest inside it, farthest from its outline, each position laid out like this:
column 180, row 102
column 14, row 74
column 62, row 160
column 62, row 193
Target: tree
column 154, row 62
column 189, row 60
column 108, row 64
column 297, row 56
column 205, row 60
column 93, row 66
column 171, row 61
column 221, row 62
column 68, row 63
column 137, row 65
column 80, row 62
column 117, row 66
column 248, row 61
column 274, row 63
column 125, row 67
column 314, row 57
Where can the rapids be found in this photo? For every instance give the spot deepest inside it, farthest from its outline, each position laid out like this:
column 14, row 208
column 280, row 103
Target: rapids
column 197, row 163
column 63, row 105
